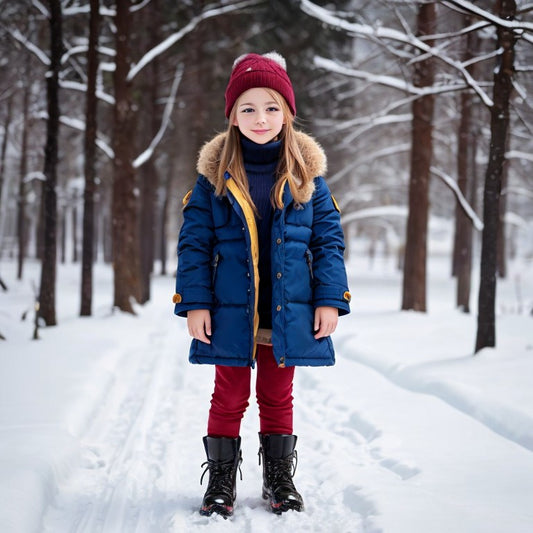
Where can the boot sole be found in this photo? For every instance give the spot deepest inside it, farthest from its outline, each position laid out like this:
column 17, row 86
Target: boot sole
column 283, row 507
column 222, row 510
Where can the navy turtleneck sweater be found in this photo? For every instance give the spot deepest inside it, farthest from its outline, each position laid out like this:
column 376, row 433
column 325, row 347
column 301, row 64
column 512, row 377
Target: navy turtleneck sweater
column 260, row 163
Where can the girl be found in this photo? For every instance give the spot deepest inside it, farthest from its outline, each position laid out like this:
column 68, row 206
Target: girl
column 261, row 276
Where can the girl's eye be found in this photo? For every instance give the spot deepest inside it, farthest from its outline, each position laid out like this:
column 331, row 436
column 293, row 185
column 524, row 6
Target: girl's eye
column 247, row 110
column 273, row 108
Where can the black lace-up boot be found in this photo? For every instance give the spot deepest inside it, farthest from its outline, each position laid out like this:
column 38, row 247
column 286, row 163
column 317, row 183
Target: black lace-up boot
column 223, row 460
column 279, row 465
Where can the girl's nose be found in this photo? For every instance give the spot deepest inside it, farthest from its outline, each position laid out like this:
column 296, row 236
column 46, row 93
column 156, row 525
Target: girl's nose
column 260, row 118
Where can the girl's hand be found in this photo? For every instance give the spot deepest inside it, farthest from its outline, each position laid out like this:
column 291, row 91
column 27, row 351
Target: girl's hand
column 325, row 321
column 199, row 324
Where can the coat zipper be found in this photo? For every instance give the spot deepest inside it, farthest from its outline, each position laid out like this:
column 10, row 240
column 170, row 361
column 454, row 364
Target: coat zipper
column 309, row 260
column 215, row 266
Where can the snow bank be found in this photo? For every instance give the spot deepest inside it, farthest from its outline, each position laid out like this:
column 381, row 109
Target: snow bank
column 50, row 389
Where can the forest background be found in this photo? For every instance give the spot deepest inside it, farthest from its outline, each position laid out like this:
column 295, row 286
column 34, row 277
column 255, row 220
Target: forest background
column 423, row 108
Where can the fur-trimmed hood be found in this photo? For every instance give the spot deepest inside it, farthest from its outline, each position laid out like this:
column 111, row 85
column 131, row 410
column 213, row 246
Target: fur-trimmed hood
column 312, row 153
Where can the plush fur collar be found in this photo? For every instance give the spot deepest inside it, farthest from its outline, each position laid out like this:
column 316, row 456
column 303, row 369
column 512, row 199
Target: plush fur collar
column 312, row 152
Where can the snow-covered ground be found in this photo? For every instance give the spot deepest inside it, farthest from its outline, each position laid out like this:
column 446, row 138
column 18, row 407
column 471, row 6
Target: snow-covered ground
column 101, row 420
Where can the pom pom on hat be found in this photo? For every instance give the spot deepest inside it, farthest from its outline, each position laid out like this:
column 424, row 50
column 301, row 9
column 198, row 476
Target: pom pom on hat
column 274, row 56
column 254, row 70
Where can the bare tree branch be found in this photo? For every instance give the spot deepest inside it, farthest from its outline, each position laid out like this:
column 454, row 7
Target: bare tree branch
column 451, row 35
column 527, row 37
column 391, row 81
column 35, row 50
column 84, row 9
column 175, row 37
column 82, row 87
column 469, row 7
column 372, row 156
column 516, row 154
column 79, row 125
column 387, row 33
column 454, row 187
column 370, row 212
column 139, row 6
column 145, row 156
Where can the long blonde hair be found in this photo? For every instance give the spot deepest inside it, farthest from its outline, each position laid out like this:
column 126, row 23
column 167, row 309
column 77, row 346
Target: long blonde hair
column 291, row 166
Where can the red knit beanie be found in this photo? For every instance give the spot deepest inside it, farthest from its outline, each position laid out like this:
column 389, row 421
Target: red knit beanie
column 254, row 70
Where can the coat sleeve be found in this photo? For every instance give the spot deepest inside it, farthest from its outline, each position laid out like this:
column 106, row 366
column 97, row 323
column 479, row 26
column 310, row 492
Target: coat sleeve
column 330, row 287
column 193, row 279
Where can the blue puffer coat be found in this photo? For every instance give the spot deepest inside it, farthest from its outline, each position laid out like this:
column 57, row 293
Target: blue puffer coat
column 217, row 266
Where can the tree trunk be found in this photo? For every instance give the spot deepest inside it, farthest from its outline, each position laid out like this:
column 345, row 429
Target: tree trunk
column 39, row 229
column 499, row 124
column 107, row 230
column 462, row 254
column 414, row 275
column 149, row 179
column 149, row 175
column 3, row 150
column 47, row 304
column 89, row 164
column 63, row 234
column 21, row 204
column 75, row 231
column 501, row 252
column 127, row 283
column 163, row 221
column 464, row 274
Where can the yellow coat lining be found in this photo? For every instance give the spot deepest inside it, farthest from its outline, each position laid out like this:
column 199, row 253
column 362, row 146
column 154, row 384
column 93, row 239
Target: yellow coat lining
column 254, row 240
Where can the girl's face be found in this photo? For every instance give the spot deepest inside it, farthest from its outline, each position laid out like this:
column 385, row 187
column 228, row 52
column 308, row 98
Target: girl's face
column 258, row 116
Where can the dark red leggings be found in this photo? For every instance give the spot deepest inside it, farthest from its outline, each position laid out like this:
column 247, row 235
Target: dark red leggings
column 232, row 391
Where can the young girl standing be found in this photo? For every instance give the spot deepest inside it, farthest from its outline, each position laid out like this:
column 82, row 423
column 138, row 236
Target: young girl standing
column 261, row 276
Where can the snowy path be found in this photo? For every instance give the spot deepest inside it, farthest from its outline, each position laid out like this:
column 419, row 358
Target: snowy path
column 130, row 468
column 406, row 434
column 370, row 451
column 142, row 452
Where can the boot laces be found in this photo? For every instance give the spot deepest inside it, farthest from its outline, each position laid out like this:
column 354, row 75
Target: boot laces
column 221, row 473
column 281, row 471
